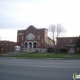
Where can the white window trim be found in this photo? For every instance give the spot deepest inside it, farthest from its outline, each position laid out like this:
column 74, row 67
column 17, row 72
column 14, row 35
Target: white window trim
column 30, row 36
column 18, row 39
column 38, row 44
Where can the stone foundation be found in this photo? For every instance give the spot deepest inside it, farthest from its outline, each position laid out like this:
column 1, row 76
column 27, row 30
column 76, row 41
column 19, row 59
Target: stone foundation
column 34, row 50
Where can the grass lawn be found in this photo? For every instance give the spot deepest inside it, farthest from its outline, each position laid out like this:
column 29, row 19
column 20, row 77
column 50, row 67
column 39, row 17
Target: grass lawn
column 39, row 55
column 1, row 54
column 76, row 56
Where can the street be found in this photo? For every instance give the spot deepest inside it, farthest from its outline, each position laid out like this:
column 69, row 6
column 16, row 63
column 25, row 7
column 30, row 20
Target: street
column 38, row 69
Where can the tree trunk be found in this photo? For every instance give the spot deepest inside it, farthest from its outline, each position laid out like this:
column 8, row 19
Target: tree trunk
column 55, row 50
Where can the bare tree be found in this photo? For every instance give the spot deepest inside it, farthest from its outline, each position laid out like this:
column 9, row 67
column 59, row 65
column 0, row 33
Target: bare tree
column 58, row 30
column 52, row 28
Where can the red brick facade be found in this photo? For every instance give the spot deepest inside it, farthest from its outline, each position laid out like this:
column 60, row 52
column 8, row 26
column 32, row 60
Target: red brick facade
column 68, row 43
column 33, row 38
column 7, row 46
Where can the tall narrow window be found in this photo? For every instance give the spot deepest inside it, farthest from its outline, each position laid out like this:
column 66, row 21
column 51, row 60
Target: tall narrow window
column 2, row 49
column 42, row 40
column 38, row 37
column 18, row 39
column 38, row 44
column 22, row 37
column 22, row 44
column 70, row 40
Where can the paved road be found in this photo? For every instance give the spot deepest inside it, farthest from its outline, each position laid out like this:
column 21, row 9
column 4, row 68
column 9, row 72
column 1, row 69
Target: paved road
column 36, row 69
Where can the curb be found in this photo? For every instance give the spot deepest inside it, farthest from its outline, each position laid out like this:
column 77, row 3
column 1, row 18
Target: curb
column 44, row 58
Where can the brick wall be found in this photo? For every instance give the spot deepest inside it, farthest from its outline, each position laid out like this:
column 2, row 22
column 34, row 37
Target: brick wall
column 7, row 46
column 64, row 42
column 40, row 36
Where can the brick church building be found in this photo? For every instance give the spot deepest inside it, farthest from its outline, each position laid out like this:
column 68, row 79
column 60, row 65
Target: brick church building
column 34, row 39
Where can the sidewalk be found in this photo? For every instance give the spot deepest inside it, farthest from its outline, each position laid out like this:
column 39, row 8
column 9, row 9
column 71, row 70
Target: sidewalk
column 68, row 56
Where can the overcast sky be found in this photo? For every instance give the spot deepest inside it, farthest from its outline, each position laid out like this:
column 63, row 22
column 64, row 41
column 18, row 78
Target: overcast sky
column 19, row 14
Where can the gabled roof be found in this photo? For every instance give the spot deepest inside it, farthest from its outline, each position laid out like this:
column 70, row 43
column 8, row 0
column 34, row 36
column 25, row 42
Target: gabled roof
column 36, row 28
column 32, row 26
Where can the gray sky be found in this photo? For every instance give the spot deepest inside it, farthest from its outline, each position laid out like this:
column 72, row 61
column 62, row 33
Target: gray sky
column 19, row 14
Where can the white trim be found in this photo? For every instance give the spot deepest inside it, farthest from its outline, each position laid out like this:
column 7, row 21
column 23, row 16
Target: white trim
column 25, row 42
column 71, row 49
column 18, row 39
column 30, row 36
column 30, row 42
column 38, row 44
column 34, row 41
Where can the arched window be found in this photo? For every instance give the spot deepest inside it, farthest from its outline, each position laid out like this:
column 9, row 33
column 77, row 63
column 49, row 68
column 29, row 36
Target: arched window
column 34, row 45
column 30, row 45
column 30, row 36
